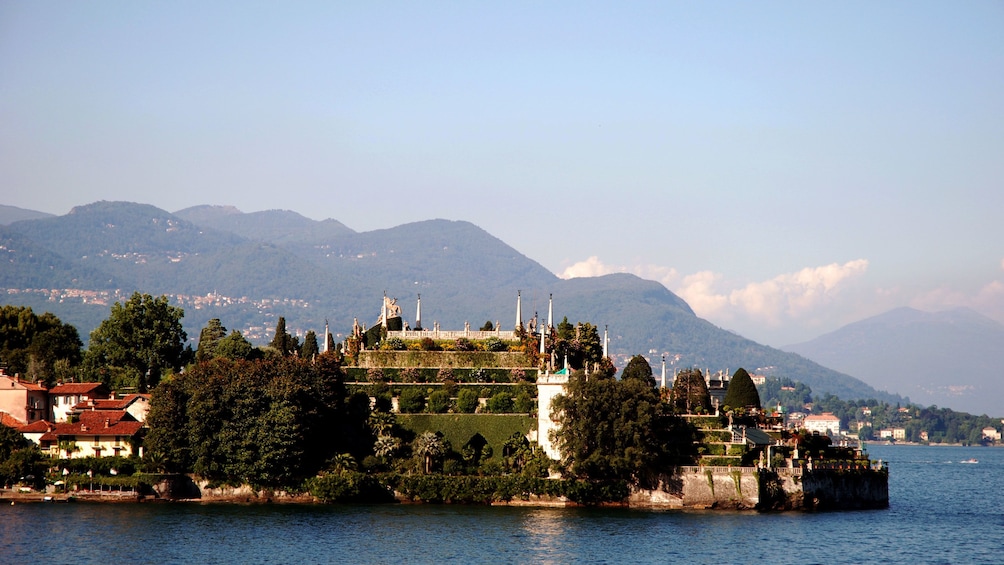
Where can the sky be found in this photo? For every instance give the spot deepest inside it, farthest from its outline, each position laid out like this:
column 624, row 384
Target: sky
column 785, row 167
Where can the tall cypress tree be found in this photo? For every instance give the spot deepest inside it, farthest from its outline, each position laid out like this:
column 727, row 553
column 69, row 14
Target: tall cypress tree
column 309, row 348
column 742, row 392
column 283, row 342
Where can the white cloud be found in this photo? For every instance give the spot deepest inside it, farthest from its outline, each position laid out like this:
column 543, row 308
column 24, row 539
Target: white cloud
column 591, row 267
column 594, row 267
column 784, row 297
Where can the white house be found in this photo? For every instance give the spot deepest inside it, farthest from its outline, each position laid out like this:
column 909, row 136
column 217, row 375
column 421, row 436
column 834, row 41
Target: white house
column 825, row 423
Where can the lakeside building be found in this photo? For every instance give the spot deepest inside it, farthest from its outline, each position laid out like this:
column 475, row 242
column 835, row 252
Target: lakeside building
column 824, row 424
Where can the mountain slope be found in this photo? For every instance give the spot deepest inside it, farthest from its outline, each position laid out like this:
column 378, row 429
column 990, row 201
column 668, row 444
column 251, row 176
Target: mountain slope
column 952, row 358
column 11, row 214
column 273, row 226
column 463, row 273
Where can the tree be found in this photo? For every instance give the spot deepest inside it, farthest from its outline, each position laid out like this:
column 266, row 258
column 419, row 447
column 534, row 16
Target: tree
column 36, row 346
column 142, row 338
column 616, row 429
column 488, row 327
column 580, row 344
column 690, row 392
column 309, row 348
column 742, row 392
column 282, row 341
column 430, row 446
column 235, row 347
column 209, row 339
column 638, row 368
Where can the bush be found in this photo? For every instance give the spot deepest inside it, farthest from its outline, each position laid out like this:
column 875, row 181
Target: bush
column 518, row 375
column 411, row 401
column 495, row 344
column 467, row 400
column 524, row 403
column 382, row 402
column 501, row 403
column 479, row 376
column 394, row 344
column 376, row 376
column 411, row 375
column 463, row 344
column 428, row 344
column 439, row 402
column 444, row 374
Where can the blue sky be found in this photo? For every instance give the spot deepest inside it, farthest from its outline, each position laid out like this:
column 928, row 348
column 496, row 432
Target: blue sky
column 786, row 167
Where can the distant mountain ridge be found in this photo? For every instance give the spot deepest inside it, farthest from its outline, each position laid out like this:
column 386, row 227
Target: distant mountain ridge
column 952, row 358
column 11, row 214
column 248, row 269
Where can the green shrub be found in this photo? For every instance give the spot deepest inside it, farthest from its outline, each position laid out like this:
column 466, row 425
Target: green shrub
column 439, row 402
column 467, row 400
column 411, row 401
column 428, row 344
column 524, row 403
column 501, row 403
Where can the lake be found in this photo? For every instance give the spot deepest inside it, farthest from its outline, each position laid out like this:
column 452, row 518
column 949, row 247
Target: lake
column 941, row 511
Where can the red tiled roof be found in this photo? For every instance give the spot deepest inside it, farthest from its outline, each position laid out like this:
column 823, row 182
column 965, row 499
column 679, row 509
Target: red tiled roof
column 110, row 404
column 95, row 418
column 10, row 421
column 77, row 388
column 120, row 428
column 35, row 427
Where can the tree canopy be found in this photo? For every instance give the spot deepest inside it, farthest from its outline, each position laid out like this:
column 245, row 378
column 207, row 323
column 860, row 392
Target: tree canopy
column 270, row 422
column 742, row 392
column 616, row 429
column 690, row 392
column 209, row 339
column 37, row 346
column 638, row 368
column 283, row 342
column 138, row 342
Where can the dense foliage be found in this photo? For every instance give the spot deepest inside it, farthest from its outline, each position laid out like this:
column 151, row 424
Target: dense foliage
column 267, row 423
column 741, row 393
column 42, row 348
column 690, row 392
column 139, row 341
column 617, row 429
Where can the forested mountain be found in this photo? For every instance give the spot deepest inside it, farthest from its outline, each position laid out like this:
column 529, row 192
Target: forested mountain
column 272, row 226
column 215, row 264
column 11, row 214
column 950, row 358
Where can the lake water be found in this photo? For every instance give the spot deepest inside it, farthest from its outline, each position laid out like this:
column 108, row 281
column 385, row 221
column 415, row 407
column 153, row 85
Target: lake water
column 941, row 511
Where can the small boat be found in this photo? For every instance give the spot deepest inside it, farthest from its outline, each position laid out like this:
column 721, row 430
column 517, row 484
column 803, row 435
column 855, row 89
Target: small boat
column 970, row 460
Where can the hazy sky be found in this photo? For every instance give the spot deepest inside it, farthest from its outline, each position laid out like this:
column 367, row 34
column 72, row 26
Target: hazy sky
column 786, row 167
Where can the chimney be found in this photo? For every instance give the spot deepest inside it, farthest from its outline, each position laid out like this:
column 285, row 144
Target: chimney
column 108, row 422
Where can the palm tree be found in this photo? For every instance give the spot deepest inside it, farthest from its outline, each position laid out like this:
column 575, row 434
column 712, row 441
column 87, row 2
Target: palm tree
column 386, row 446
column 431, row 446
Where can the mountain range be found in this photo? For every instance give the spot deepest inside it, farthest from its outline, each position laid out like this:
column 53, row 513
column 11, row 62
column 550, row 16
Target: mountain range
column 952, row 358
column 249, row 269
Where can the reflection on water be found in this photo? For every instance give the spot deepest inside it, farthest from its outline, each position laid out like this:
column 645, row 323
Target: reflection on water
column 940, row 511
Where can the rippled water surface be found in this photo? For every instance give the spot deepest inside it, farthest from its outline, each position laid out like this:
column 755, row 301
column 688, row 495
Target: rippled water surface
column 941, row 511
